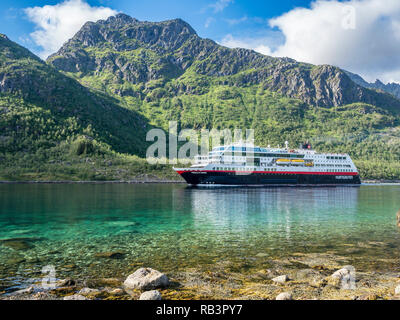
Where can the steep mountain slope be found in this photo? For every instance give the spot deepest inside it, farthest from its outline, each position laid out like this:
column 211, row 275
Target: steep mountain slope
column 392, row 88
column 122, row 52
column 40, row 107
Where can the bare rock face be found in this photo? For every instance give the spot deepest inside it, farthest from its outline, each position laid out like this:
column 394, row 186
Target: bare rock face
column 150, row 295
column 284, row 296
column 146, row 279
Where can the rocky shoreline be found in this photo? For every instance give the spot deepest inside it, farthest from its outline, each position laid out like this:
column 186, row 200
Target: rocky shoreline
column 302, row 276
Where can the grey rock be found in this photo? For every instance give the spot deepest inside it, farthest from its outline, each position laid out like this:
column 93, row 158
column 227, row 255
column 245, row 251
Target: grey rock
column 397, row 290
column 343, row 272
column 262, row 255
column 281, row 279
column 284, row 296
column 145, row 279
column 150, row 295
column 116, row 292
column 75, row 297
column 66, row 283
column 87, row 291
column 25, row 291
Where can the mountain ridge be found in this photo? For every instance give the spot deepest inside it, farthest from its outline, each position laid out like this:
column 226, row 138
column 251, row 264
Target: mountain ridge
column 392, row 87
column 176, row 47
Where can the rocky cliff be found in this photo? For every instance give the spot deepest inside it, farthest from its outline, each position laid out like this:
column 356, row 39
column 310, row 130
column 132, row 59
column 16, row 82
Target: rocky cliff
column 138, row 52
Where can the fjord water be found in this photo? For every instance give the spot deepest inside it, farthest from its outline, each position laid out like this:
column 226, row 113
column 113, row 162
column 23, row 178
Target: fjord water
column 173, row 227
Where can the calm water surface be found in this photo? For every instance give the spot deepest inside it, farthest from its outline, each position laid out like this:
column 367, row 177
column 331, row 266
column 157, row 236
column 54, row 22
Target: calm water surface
column 173, row 227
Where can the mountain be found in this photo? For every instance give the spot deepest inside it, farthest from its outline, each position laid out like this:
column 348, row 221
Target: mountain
column 40, row 108
column 124, row 50
column 84, row 113
column 392, row 88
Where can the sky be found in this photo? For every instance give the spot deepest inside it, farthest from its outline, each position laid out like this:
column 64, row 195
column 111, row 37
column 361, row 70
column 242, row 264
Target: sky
column 361, row 36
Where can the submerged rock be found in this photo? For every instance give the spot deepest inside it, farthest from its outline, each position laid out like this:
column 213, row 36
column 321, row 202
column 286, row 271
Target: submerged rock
column 145, row 279
column 281, row 279
column 262, row 255
column 150, row 295
column 111, row 255
column 15, row 260
column 17, row 244
column 284, row 296
column 398, row 218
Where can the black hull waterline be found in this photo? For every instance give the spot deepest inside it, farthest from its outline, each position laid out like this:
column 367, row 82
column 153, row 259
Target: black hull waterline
column 270, row 179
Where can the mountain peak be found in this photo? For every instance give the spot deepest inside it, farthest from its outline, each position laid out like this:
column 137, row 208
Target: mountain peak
column 120, row 20
column 3, row 36
column 126, row 33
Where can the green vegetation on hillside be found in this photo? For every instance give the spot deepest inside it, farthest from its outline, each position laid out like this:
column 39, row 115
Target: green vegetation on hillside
column 84, row 115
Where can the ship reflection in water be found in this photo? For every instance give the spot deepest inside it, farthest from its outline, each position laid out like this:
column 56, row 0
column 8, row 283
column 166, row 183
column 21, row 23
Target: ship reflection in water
column 274, row 211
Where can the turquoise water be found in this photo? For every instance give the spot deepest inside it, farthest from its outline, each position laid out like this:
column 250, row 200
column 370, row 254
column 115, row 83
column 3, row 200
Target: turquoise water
column 174, row 227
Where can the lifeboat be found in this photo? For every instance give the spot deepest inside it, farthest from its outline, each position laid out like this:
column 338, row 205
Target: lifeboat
column 282, row 161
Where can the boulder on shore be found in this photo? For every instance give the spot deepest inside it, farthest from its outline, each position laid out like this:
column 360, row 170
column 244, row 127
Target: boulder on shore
column 150, row 295
column 284, row 296
column 146, row 279
column 343, row 272
column 88, row 291
column 75, row 297
column 397, row 290
column 281, row 279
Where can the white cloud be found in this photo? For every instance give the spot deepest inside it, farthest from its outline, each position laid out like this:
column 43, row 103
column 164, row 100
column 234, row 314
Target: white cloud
column 362, row 36
column 247, row 43
column 220, row 5
column 58, row 23
column 208, row 22
column 233, row 22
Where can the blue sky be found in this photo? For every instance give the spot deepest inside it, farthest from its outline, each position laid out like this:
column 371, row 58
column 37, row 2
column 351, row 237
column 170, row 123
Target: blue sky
column 359, row 35
column 238, row 18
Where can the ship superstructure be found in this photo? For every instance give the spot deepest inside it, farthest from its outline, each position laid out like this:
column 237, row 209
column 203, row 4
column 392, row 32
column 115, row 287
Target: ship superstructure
column 246, row 164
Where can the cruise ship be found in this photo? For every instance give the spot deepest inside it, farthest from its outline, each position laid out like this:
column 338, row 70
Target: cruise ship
column 246, row 164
